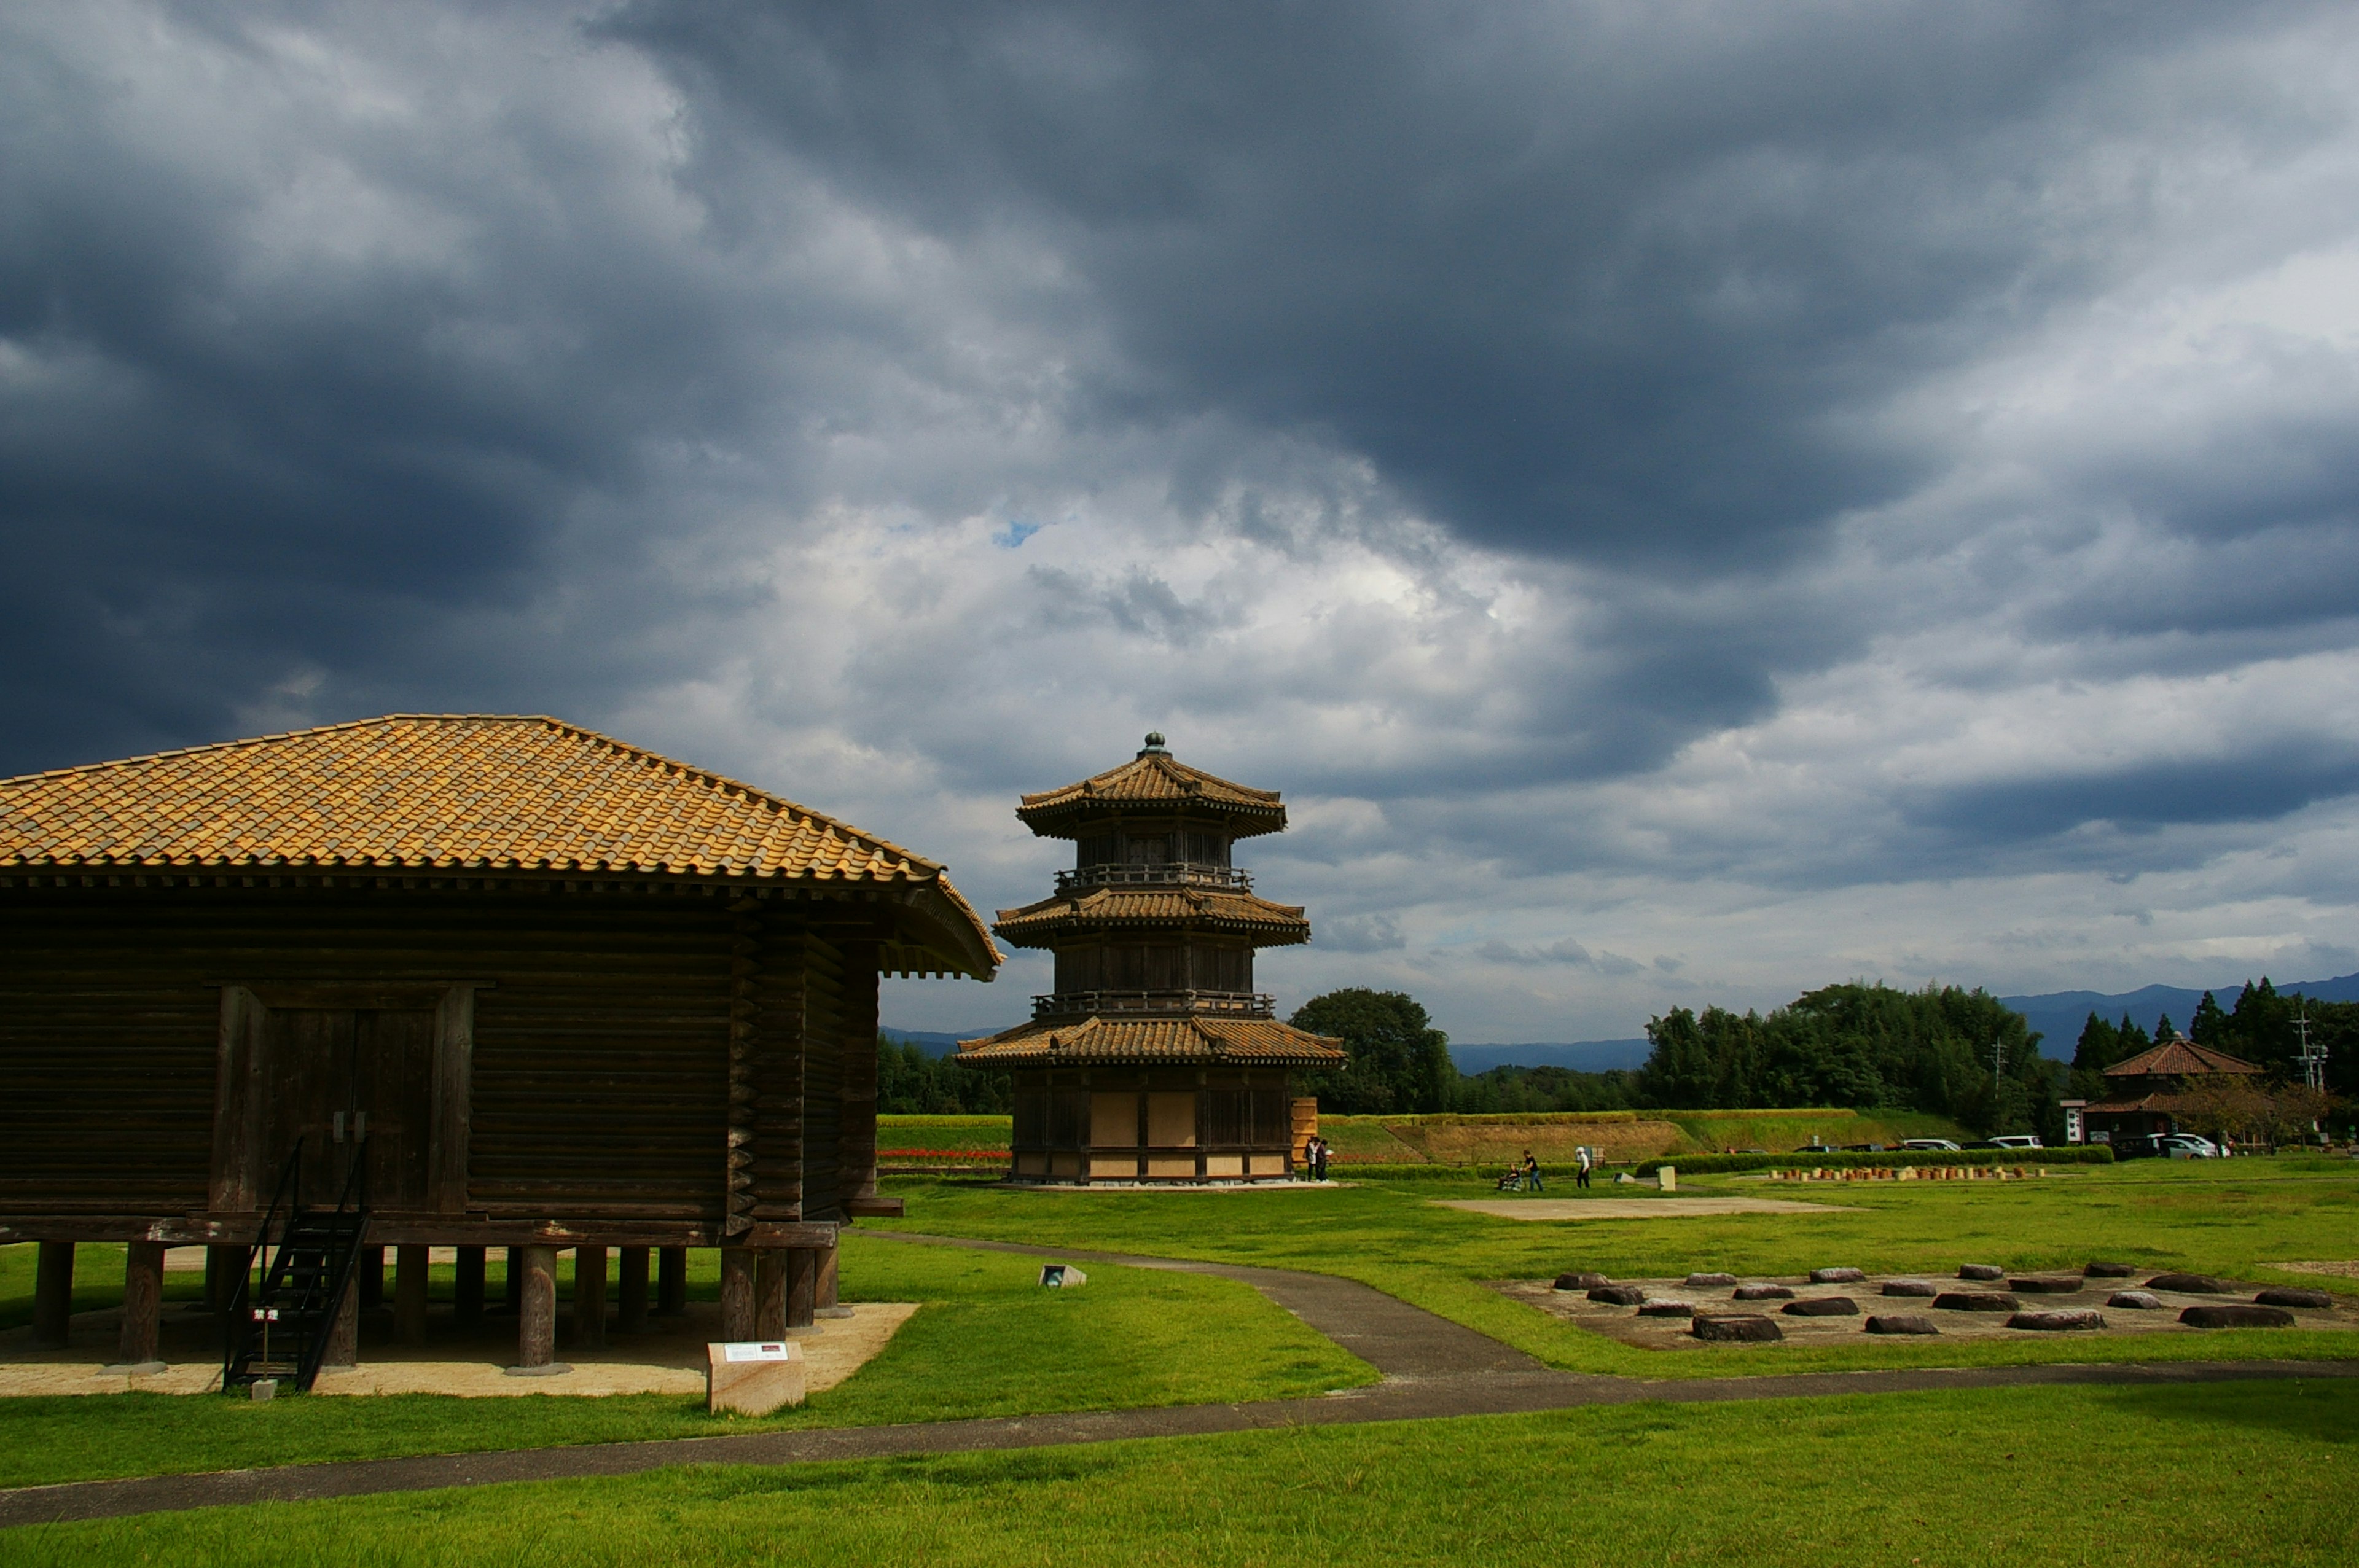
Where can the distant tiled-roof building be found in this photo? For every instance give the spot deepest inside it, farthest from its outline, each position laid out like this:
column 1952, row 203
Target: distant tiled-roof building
column 573, row 993
column 2147, row 1093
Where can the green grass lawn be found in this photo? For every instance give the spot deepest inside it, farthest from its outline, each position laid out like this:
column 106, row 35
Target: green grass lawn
column 989, row 1342
column 2230, row 1218
column 2156, row 1477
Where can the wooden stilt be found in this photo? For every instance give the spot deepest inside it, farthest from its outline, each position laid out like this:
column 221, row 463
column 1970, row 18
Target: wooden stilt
column 343, row 1348
column 222, row 1264
column 823, row 1295
column 671, row 1288
column 467, row 1288
column 535, row 1276
column 802, row 1287
column 631, row 1313
column 371, row 1268
column 143, row 1302
column 589, row 1298
column 409, row 1294
column 53, row 1296
column 770, row 1293
column 514, row 1289
column 738, row 1293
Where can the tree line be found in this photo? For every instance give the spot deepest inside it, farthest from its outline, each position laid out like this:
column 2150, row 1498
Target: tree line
column 1955, row 1052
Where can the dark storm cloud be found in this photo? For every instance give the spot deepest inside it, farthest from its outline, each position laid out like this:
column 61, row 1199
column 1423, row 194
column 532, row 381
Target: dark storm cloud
column 241, row 444
column 2254, row 785
column 1613, row 282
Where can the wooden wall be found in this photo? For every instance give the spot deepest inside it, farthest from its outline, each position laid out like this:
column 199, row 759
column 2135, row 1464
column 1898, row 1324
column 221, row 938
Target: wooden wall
column 1113, row 964
column 602, row 1082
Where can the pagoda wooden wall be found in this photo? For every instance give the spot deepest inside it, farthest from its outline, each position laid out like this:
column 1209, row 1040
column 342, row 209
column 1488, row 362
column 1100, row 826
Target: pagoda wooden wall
column 614, row 1079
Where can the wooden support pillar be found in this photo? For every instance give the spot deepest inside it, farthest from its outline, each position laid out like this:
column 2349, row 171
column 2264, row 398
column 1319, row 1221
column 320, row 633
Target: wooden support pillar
column 803, row 1288
column 631, row 1314
column 53, row 1296
column 221, row 1275
column 535, row 1271
column 770, row 1293
column 671, row 1287
column 590, row 1298
column 371, row 1268
column 344, row 1348
column 738, row 1293
column 143, row 1302
column 409, row 1294
column 514, row 1289
column 823, row 1291
column 467, row 1288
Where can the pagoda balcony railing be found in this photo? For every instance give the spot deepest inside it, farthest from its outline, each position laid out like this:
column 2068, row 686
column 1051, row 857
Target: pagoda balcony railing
column 1225, row 1004
column 1172, row 873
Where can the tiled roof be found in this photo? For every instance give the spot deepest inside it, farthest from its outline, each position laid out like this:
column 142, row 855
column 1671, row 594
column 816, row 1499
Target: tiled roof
column 1244, row 1041
column 1175, row 908
column 450, row 793
column 1154, row 778
column 2179, row 1058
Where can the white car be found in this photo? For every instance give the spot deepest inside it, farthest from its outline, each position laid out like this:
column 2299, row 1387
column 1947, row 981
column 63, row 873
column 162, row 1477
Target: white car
column 1942, row 1145
column 2016, row 1140
column 2186, row 1146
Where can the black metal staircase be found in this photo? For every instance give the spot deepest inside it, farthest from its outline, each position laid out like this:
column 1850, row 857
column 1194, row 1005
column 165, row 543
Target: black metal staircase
column 279, row 1328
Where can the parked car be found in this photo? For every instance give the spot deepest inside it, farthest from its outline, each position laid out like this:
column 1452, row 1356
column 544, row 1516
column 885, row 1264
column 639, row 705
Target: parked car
column 2135, row 1146
column 1943, row 1145
column 2186, row 1146
column 2016, row 1140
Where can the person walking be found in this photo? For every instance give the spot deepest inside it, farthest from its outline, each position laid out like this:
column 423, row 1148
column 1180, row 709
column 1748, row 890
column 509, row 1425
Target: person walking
column 1531, row 1173
column 1581, row 1167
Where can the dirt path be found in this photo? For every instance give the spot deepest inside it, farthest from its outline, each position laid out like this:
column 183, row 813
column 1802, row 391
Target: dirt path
column 1431, row 1368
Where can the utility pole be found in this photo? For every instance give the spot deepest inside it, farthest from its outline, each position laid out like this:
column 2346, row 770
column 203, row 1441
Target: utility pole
column 2313, row 1056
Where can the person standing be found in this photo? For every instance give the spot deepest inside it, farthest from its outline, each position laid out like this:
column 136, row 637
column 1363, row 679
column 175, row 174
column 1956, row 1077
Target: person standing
column 1531, row 1173
column 1581, row 1167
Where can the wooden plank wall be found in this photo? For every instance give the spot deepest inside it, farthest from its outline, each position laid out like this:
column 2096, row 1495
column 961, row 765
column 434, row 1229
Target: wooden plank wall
column 601, row 1067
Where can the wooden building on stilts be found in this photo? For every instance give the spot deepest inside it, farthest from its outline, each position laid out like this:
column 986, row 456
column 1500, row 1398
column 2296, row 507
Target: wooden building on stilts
column 516, row 984
column 1153, row 1060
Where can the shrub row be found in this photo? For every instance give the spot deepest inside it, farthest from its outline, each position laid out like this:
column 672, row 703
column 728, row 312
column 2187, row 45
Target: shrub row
column 1706, row 1165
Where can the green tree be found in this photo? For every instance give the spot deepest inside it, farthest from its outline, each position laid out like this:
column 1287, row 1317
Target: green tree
column 2210, row 1026
column 1859, row 1045
column 912, row 1083
column 1395, row 1059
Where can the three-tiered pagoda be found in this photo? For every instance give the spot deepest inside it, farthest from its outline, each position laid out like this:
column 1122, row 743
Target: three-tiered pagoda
column 1153, row 1060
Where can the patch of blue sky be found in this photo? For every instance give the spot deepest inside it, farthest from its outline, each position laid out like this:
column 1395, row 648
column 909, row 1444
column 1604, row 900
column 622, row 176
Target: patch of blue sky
column 1012, row 537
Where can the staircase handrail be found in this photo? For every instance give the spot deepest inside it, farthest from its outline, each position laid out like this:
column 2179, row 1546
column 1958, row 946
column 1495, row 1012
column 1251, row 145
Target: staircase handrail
column 354, row 1200
column 239, row 1326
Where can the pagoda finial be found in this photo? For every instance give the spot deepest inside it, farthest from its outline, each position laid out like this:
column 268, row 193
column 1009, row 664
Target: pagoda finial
column 1154, row 745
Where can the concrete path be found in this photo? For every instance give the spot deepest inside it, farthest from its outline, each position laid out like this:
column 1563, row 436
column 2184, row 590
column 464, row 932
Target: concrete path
column 1431, row 1368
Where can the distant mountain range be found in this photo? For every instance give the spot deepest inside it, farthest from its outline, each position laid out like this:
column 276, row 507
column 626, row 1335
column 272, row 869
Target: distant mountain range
column 1581, row 1055
column 2059, row 1015
column 935, row 1044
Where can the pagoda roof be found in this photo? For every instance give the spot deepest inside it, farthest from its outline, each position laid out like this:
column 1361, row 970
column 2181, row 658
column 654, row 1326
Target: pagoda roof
column 1243, row 1042
column 475, row 794
column 1154, row 778
column 1177, row 907
column 2180, row 1057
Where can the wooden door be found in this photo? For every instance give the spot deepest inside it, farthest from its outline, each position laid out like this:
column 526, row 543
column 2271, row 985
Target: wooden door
column 345, row 1078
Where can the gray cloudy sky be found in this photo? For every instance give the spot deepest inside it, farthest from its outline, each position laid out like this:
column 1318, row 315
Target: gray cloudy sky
column 1689, row 502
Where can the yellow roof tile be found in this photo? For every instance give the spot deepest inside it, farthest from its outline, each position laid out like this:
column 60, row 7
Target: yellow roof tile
column 466, row 792
column 1251, row 1042
column 1154, row 778
column 1175, row 908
